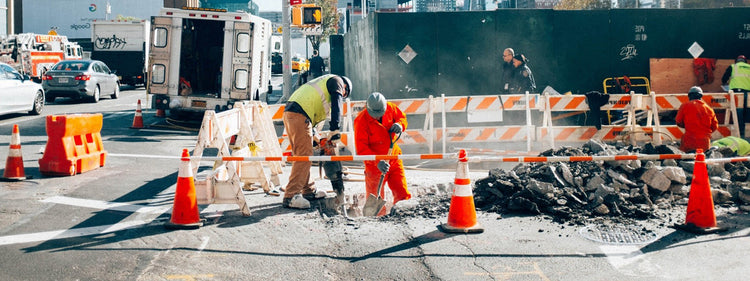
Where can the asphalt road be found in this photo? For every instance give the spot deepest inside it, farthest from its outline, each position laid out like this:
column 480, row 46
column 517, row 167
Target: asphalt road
column 108, row 224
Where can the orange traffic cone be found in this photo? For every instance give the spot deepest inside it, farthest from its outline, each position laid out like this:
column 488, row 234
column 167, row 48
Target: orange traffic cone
column 185, row 213
column 700, row 216
column 138, row 119
column 462, row 216
column 160, row 113
column 14, row 163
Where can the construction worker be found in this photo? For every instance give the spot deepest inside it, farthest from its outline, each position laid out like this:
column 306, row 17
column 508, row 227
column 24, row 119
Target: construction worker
column 699, row 122
column 375, row 130
column 738, row 145
column 737, row 76
column 309, row 105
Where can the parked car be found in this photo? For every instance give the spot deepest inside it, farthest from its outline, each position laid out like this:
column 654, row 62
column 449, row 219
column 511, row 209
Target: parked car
column 80, row 79
column 300, row 64
column 18, row 93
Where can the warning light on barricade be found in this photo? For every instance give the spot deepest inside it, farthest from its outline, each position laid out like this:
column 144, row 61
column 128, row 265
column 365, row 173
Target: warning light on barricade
column 700, row 216
column 462, row 216
column 14, row 163
column 185, row 213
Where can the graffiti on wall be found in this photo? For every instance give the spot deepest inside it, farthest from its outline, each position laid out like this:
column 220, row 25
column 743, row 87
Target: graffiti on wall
column 744, row 34
column 628, row 52
column 106, row 43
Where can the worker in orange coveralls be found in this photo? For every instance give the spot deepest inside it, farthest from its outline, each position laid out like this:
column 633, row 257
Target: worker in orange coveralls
column 374, row 129
column 699, row 122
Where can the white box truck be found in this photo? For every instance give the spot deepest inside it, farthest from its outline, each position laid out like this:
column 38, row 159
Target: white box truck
column 206, row 59
column 123, row 46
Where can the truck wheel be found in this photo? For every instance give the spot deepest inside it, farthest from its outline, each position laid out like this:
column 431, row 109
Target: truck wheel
column 116, row 94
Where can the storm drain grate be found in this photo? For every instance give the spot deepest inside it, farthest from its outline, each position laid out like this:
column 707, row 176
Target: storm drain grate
column 620, row 235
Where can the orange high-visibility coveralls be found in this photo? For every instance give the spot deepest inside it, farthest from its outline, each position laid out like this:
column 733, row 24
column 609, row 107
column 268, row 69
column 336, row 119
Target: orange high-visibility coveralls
column 699, row 121
column 372, row 138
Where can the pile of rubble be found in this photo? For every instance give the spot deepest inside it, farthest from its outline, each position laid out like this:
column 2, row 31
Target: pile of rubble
column 576, row 192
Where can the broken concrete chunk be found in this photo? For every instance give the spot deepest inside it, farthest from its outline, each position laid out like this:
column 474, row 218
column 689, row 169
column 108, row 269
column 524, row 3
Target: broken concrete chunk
column 594, row 183
column 675, row 174
column 656, row 179
column 744, row 195
column 601, row 209
column 721, row 196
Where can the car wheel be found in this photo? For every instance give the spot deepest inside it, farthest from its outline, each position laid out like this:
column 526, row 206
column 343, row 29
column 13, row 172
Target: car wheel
column 38, row 103
column 49, row 98
column 116, row 94
column 97, row 92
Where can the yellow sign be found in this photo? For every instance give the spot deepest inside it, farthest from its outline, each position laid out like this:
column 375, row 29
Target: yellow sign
column 278, row 30
column 52, row 32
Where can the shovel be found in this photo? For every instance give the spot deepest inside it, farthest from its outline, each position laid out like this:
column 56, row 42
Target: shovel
column 374, row 204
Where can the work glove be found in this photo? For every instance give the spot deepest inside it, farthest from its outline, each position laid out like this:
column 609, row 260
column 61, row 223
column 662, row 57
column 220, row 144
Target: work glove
column 334, row 135
column 383, row 166
column 396, row 129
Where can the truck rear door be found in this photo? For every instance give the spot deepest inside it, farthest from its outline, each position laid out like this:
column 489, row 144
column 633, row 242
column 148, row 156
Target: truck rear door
column 241, row 62
column 161, row 28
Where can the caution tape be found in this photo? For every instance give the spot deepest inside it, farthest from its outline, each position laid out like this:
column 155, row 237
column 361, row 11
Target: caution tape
column 727, row 160
column 525, row 159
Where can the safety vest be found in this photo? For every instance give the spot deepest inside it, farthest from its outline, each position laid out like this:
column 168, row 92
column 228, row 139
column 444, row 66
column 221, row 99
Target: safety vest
column 314, row 98
column 741, row 146
column 740, row 76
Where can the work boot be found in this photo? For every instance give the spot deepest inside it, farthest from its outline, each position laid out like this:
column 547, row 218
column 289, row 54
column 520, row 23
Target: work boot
column 296, row 202
column 315, row 195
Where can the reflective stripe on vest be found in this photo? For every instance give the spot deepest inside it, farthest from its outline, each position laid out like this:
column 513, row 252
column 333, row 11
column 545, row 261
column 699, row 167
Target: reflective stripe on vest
column 740, row 76
column 314, row 98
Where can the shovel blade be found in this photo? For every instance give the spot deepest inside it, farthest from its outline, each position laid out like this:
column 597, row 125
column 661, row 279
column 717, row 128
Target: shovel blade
column 373, row 205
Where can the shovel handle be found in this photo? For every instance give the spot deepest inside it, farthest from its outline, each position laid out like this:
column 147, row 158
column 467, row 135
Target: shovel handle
column 382, row 176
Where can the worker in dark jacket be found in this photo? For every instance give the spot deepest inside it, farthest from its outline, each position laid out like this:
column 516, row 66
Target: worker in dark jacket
column 317, row 65
column 309, row 105
column 508, row 70
column 699, row 121
column 522, row 80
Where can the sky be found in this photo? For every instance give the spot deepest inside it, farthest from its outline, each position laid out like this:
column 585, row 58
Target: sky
column 269, row 5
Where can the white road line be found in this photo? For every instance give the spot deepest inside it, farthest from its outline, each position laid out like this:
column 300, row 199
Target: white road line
column 69, row 233
column 629, row 260
column 104, row 205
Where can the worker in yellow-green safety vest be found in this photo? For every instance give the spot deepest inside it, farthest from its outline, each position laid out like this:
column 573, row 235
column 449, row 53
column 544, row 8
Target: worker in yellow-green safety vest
column 738, row 145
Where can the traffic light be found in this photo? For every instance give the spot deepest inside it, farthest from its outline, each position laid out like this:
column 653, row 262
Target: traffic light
column 311, row 15
column 306, row 14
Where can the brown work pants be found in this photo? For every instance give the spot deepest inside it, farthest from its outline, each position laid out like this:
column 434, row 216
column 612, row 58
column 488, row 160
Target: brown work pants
column 299, row 130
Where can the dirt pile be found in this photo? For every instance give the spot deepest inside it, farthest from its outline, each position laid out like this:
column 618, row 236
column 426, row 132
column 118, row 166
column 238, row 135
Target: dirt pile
column 577, row 192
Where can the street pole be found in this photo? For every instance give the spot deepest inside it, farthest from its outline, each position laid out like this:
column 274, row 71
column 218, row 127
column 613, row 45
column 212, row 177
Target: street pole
column 286, row 39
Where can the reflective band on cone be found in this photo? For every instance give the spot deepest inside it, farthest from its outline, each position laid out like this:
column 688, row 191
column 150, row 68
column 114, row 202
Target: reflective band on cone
column 462, row 216
column 138, row 119
column 14, row 162
column 700, row 216
column 185, row 214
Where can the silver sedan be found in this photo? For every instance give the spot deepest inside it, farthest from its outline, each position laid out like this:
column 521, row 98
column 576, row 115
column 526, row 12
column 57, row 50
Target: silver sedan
column 79, row 79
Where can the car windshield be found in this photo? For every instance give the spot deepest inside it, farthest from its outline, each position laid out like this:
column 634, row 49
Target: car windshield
column 72, row 65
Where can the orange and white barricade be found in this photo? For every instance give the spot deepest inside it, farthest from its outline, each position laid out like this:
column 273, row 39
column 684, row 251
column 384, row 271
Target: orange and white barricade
column 558, row 103
column 672, row 102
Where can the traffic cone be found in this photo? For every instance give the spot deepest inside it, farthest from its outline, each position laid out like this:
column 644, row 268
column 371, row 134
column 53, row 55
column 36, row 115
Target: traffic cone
column 700, row 216
column 185, row 213
column 14, row 163
column 138, row 119
column 462, row 216
column 160, row 113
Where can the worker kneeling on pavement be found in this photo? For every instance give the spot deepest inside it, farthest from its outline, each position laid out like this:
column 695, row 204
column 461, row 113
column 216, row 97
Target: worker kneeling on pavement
column 738, row 146
column 309, row 105
column 699, row 121
column 375, row 130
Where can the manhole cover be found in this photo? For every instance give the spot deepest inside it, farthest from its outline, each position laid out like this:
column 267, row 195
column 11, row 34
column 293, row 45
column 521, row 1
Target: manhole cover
column 621, row 235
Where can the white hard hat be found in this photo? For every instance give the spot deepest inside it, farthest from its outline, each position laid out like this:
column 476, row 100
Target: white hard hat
column 376, row 105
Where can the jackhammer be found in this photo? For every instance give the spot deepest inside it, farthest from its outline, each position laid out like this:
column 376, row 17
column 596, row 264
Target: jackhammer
column 333, row 170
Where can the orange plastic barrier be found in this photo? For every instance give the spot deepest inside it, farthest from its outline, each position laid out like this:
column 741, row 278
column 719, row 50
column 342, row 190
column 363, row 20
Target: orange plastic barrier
column 74, row 145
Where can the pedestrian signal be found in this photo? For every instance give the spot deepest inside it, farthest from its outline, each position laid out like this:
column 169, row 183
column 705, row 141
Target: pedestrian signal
column 311, row 15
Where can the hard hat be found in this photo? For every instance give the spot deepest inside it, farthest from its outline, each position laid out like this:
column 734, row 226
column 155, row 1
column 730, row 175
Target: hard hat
column 740, row 58
column 376, row 105
column 695, row 93
column 348, row 85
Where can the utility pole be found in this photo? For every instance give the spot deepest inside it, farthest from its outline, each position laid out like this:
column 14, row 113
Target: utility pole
column 286, row 55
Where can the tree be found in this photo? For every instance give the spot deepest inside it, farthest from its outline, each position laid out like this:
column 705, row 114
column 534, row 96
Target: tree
column 329, row 21
column 583, row 5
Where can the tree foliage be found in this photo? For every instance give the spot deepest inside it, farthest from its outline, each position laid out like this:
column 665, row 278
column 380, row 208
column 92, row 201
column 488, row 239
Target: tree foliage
column 583, row 5
column 329, row 21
